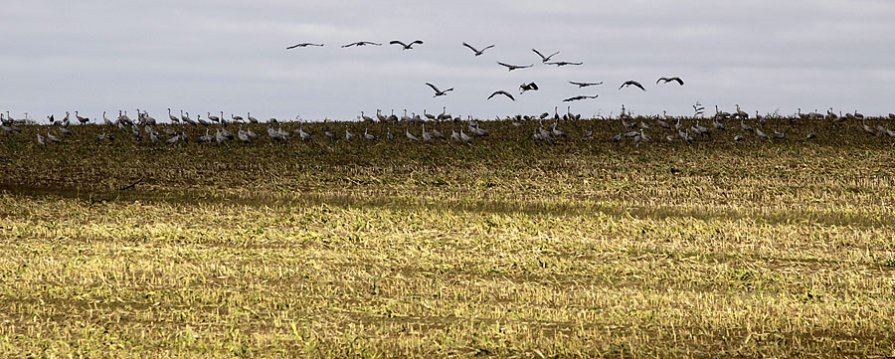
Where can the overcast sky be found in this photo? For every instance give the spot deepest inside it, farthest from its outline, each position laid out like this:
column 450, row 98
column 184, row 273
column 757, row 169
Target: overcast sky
column 227, row 55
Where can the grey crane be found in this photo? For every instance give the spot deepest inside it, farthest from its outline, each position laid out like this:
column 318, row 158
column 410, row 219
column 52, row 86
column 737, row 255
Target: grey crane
column 365, row 117
column 666, row 80
column 544, row 59
column 410, row 136
column 531, row 86
column 502, row 92
column 406, row 46
column 579, row 98
column 81, row 120
column 106, row 120
column 437, row 91
column 361, row 43
column 631, row 83
column 513, row 67
column 477, row 52
column 303, row 45
column 564, row 63
column 585, row 84
column 171, row 117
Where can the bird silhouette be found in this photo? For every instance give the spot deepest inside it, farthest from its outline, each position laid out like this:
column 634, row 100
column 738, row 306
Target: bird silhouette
column 406, row 46
column 476, row 51
column 361, row 43
column 513, row 67
column 439, row 92
column 666, row 80
column 631, row 83
column 302, row 45
column 544, row 59
column 579, row 98
column 585, row 84
column 502, row 92
column 531, row 86
column 564, row 63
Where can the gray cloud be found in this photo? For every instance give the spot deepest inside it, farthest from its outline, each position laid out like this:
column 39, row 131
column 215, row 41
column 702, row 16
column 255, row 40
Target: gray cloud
column 203, row 55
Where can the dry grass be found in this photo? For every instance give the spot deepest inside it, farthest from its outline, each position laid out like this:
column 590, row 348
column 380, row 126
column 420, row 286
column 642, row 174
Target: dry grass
column 503, row 248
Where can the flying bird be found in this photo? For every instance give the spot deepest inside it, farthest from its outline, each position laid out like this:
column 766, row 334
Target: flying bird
column 303, row 44
column 513, row 67
column 564, row 63
column 406, row 46
column 501, row 92
column 476, row 51
column 531, row 86
column 666, row 80
column 437, row 91
column 585, row 84
column 545, row 59
column 578, row 98
column 361, row 43
column 631, row 83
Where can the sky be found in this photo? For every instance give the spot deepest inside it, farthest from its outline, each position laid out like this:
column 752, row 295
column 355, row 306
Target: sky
column 224, row 55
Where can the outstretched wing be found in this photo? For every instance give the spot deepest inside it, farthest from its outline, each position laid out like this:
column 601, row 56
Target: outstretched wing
column 293, row 46
column 396, row 42
column 351, row 44
column 417, row 42
column 678, row 79
column 544, row 59
column 635, row 83
column 470, row 47
column 551, row 55
column 505, row 65
column 533, row 86
column 433, row 87
column 501, row 92
column 663, row 80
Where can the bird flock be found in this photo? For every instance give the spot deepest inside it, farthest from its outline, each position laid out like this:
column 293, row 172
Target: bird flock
column 525, row 87
column 182, row 127
column 737, row 126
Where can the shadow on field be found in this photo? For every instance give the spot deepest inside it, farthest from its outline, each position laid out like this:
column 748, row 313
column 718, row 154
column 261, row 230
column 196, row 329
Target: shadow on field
column 463, row 204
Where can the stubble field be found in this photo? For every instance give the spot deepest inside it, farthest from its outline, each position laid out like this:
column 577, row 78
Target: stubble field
column 503, row 247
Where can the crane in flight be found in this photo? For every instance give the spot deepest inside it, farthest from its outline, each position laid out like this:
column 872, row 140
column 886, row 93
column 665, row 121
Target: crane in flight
column 531, row 86
column 477, row 52
column 502, row 92
column 303, row 45
column 406, row 46
column 513, row 67
column 437, row 91
column 666, row 80
column 564, row 63
column 545, row 59
column 361, row 43
column 585, row 84
column 579, row 98
column 631, row 83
